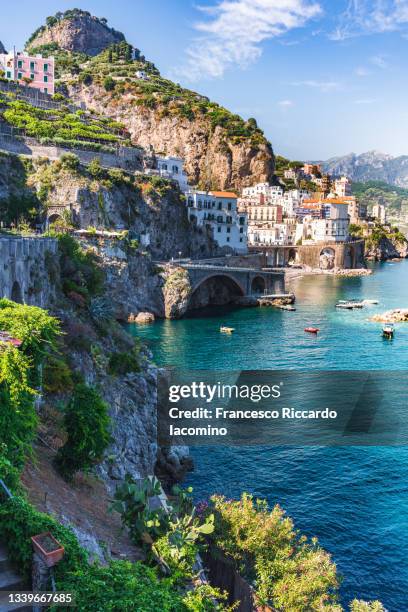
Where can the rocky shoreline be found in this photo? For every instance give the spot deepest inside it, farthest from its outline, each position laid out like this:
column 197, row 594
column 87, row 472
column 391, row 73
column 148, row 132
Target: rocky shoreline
column 396, row 315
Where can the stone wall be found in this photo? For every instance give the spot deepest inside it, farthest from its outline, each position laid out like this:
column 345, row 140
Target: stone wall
column 24, row 275
column 347, row 255
column 127, row 158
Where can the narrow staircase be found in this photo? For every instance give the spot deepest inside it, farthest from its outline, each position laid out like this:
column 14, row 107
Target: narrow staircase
column 10, row 580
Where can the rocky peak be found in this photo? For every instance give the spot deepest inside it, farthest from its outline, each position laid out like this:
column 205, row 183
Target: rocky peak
column 2, row 49
column 76, row 30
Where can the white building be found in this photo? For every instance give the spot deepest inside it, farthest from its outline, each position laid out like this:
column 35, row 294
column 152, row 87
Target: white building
column 342, row 187
column 218, row 210
column 173, row 168
column 142, row 75
column 271, row 192
column 334, row 228
column 380, row 213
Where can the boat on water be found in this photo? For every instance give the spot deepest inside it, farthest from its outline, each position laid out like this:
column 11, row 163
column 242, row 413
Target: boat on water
column 286, row 307
column 369, row 302
column 312, row 330
column 349, row 304
column 226, row 330
column 388, row 330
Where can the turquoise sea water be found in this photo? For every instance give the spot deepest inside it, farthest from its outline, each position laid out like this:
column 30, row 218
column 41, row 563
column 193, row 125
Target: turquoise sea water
column 354, row 499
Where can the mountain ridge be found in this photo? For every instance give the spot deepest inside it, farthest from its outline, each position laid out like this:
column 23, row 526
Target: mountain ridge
column 370, row 166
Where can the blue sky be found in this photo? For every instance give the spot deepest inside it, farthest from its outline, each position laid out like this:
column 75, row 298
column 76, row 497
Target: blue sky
column 322, row 77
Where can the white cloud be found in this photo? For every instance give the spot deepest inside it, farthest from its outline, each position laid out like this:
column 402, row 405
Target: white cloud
column 323, row 86
column 286, row 103
column 370, row 17
column 234, row 30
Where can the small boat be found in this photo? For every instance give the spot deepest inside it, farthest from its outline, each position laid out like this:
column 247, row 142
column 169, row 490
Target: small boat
column 388, row 330
column 312, row 330
column 369, row 302
column 226, row 330
column 349, row 304
column 286, row 307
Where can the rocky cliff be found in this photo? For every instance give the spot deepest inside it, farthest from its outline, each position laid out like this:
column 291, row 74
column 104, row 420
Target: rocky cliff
column 386, row 248
column 221, row 150
column 370, row 166
column 75, row 30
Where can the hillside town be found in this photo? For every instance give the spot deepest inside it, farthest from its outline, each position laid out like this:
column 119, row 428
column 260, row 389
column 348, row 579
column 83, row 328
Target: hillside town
column 147, row 233
column 303, row 206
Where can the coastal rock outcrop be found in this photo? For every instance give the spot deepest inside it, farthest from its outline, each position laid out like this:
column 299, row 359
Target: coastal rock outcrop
column 176, row 291
column 385, row 249
column 397, row 315
column 76, row 30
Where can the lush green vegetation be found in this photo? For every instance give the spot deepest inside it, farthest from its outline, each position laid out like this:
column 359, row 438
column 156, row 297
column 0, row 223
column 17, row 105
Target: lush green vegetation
column 379, row 192
column 86, row 422
column 82, row 277
column 59, row 126
column 19, row 374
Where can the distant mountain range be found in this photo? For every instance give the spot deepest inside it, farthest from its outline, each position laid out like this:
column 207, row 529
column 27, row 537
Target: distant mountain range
column 370, row 166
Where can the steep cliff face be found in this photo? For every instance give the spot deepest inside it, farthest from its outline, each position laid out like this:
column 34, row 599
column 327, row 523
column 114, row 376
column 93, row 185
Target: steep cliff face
column 385, row 249
column 76, row 30
column 212, row 158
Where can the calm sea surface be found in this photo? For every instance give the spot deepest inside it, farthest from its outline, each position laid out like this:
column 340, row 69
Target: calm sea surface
column 354, row 499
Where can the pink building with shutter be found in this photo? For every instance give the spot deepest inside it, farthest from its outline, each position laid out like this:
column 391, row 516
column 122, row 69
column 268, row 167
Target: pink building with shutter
column 33, row 70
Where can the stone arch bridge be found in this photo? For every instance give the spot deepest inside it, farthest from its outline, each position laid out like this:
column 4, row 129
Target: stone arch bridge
column 246, row 281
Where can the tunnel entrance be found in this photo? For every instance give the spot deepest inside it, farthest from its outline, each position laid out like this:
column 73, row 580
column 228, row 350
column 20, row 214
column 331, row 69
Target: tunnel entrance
column 217, row 290
column 16, row 293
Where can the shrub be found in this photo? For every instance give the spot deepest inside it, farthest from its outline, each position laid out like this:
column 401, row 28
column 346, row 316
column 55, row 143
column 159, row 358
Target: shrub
column 124, row 363
column 70, row 161
column 109, row 83
column 95, row 169
column 57, row 375
column 287, row 571
column 19, row 521
column 9, row 474
column 87, row 423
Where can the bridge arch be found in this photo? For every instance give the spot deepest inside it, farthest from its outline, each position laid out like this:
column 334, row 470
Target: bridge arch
column 349, row 257
column 258, row 285
column 215, row 289
column 16, row 293
column 327, row 258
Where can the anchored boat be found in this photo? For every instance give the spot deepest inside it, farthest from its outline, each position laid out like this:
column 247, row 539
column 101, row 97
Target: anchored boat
column 226, row 330
column 349, row 304
column 388, row 330
column 312, row 330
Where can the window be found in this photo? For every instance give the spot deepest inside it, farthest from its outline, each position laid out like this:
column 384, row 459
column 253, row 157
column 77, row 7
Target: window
column 19, row 64
column 45, row 79
column 219, row 205
column 45, row 67
column 219, row 229
column 229, row 205
column 32, row 76
column 32, row 66
column 175, row 169
column 164, row 166
column 228, row 230
column 45, row 90
column 20, row 75
column 228, row 239
column 240, row 239
column 8, row 74
column 241, row 230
